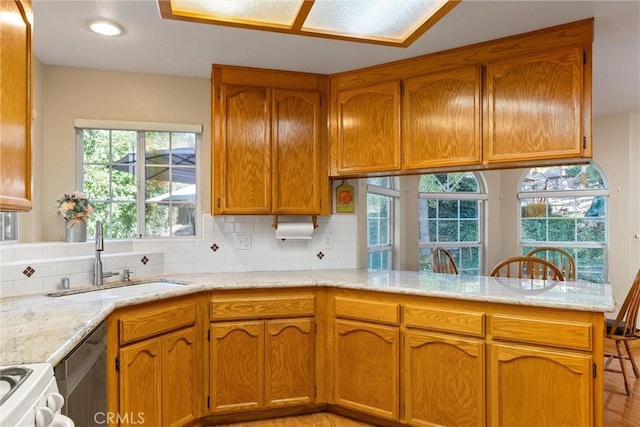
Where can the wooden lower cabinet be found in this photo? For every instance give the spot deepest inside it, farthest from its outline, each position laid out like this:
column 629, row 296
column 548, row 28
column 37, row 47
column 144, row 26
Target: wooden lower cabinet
column 262, row 364
column 397, row 359
column 140, row 364
column 366, row 361
column 537, row 386
column 157, row 378
column 289, row 362
column 443, row 380
column 237, row 358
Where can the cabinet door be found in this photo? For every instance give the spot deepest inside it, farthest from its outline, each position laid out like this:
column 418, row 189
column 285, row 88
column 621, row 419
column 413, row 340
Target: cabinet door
column 443, row 377
column 141, row 383
column 551, row 387
column 15, row 105
column 241, row 151
column 237, row 366
column 366, row 368
column 368, row 129
column 289, row 362
column 441, row 119
column 180, row 377
column 296, row 152
column 534, row 107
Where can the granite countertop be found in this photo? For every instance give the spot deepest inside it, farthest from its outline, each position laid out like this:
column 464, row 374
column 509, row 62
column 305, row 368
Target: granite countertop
column 39, row 328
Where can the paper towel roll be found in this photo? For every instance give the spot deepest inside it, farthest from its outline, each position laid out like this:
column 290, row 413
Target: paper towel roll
column 294, row 230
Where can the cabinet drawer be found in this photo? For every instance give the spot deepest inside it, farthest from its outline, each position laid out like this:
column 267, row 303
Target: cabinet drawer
column 457, row 321
column 374, row 311
column 261, row 307
column 555, row 333
column 156, row 319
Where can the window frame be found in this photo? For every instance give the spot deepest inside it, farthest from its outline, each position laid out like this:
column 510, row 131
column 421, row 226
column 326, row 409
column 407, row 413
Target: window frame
column 141, row 128
column 393, row 194
column 14, row 222
column 481, row 197
column 559, row 194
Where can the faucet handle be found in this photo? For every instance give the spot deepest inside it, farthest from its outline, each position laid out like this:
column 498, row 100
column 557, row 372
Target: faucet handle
column 126, row 274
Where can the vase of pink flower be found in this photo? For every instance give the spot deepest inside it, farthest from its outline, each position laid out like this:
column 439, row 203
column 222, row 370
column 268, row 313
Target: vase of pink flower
column 75, row 209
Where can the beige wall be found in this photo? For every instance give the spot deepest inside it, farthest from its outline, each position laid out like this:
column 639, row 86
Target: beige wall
column 30, row 223
column 65, row 94
column 616, row 149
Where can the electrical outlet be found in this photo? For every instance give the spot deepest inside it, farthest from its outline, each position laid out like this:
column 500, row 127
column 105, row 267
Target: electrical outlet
column 328, row 241
column 243, row 242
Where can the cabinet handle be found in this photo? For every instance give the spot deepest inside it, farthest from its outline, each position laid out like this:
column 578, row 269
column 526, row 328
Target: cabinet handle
column 218, row 202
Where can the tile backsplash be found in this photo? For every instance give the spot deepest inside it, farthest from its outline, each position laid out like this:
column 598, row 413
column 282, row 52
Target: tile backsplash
column 228, row 244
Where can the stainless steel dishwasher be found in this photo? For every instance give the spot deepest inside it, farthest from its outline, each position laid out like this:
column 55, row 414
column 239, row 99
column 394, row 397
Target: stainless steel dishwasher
column 82, row 379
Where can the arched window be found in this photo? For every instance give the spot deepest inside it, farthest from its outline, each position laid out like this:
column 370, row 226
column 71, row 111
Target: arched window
column 566, row 207
column 450, row 216
column 380, row 196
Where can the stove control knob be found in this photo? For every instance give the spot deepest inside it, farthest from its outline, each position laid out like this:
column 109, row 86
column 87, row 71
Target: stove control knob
column 55, row 401
column 44, row 416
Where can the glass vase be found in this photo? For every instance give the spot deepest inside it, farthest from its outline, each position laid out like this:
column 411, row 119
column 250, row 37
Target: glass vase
column 75, row 231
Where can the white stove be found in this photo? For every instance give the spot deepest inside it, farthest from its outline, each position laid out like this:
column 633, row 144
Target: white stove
column 29, row 397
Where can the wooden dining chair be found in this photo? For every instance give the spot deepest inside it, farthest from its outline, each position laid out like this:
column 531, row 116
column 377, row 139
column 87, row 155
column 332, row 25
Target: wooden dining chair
column 560, row 258
column 622, row 330
column 442, row 261
column 526, row 267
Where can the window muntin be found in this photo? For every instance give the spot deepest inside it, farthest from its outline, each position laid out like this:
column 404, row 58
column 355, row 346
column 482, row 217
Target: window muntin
column 380, row 224
column 566, row 207
column 450, row 210
column 157, row 199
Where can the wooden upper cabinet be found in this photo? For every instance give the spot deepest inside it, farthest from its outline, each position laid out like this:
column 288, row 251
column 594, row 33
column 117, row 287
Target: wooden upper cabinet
column 241, row 152
column 367, row 129
column 512, row 102
column 269, row 142
column 441, row 119
column 15, row 105
column 297, row 152
column 534, row 106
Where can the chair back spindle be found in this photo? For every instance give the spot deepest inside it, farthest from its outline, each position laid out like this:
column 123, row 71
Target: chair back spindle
column 524, row 267
column 442, row 261
column 560, row 258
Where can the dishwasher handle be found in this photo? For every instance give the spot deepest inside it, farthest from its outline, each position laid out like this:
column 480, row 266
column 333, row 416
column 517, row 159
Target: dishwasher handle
column 73, row 378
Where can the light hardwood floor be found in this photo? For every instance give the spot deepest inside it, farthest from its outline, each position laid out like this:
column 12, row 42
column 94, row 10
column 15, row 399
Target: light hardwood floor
column 620, row 410
column 320, row 419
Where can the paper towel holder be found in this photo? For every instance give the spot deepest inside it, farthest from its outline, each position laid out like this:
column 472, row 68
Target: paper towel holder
column 314, row 219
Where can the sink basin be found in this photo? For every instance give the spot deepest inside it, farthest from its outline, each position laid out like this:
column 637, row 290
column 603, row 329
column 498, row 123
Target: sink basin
column 123, row 291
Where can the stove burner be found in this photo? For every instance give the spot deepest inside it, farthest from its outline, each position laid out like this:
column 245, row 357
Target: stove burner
column 10, row 380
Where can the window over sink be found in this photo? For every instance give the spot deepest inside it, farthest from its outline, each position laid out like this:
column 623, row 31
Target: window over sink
column 141, row 178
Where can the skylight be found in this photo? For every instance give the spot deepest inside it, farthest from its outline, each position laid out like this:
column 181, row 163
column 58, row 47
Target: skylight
column 388, row 22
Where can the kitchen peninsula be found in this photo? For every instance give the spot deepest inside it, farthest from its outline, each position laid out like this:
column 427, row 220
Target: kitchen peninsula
column 374, row 344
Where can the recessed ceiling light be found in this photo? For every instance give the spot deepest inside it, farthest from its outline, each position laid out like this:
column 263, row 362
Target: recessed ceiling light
column 104, row 27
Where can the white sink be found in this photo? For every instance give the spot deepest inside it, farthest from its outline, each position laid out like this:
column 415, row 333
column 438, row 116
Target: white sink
column 129, row 291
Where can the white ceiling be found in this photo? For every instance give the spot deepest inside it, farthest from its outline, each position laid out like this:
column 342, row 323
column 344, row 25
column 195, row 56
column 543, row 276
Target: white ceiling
column 155, row 45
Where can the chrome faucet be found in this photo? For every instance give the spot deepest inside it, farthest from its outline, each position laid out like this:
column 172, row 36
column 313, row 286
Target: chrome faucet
column 97, row 263
column 98, row 274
